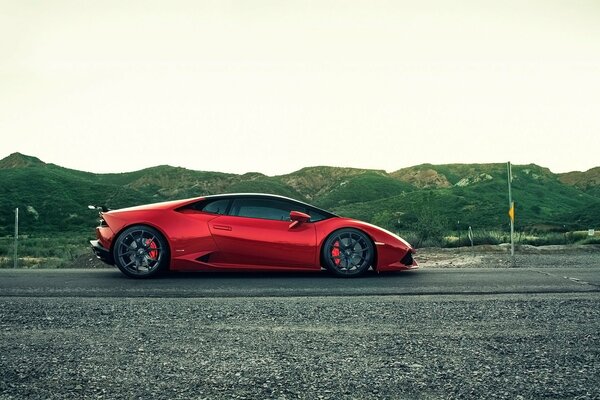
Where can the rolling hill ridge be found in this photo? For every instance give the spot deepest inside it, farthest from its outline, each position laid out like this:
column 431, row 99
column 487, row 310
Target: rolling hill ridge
column 54, row 199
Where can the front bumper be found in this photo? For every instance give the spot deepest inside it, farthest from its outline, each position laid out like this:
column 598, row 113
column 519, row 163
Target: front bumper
column 395, row 259
column 408, row 259
column 102, row 253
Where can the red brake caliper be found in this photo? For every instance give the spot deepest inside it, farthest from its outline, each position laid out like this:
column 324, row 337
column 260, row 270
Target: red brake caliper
column 153, row 253
column 335, row 253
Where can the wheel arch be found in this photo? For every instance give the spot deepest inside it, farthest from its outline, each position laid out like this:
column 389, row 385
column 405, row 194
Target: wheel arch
column 321, row 259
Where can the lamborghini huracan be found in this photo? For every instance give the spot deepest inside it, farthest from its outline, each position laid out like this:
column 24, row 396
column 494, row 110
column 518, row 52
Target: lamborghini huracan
column 241, row 232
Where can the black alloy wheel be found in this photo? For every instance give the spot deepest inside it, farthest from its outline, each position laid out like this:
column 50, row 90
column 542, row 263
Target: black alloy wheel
column 141, row 252
column 348, row 252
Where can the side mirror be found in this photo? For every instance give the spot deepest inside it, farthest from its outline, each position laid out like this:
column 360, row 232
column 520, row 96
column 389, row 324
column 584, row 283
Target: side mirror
column 298, row 217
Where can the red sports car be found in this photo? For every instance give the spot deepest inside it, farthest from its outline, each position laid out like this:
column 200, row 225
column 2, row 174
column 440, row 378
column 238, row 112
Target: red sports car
column 244, row 232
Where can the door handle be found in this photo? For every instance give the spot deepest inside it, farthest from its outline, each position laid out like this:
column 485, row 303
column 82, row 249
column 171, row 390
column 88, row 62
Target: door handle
column 222, row 227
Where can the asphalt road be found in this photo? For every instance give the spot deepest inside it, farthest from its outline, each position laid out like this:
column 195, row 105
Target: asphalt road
column 508, row 333
column 111, row 283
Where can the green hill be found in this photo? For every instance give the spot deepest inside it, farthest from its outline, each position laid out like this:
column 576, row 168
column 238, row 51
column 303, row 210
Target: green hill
column 54, row 199
column 365, row 187
column 588, row 181
column 479, row 198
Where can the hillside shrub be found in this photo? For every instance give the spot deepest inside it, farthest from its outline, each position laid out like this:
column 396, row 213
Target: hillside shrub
column 430, row 228
column 591, row 240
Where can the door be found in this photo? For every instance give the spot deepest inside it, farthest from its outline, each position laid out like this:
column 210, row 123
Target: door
column 257, row 233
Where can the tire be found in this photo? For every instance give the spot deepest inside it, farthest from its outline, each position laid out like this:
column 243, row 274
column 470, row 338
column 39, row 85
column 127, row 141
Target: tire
column 141, row 252
column 348, row 252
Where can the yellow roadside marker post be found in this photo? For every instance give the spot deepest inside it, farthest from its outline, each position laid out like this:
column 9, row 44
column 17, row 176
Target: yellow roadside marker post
column 511, row 214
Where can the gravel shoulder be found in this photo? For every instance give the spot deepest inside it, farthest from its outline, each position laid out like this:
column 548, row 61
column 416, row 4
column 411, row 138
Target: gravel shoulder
column 488, row 256
column 418, row 347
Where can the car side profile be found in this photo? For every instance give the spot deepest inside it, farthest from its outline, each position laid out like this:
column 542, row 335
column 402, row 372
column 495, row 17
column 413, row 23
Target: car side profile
column 244, row 232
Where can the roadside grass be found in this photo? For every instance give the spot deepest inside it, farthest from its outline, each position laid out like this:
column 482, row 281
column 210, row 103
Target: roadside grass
column 44, row 252
column 492, row 237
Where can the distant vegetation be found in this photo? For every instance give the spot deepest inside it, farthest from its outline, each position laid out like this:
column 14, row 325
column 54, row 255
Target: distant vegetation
column 428, row 200
column 57, row 250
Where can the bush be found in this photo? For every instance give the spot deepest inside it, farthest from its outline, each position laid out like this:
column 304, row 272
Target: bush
column 591, row 240
column 544, row 239
column 430, row 228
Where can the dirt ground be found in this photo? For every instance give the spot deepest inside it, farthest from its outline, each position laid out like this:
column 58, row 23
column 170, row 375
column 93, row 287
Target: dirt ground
column 418, row 347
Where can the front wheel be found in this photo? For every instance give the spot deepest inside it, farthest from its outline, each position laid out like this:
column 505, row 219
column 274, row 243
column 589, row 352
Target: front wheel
column 141, row 252
column 348, row 252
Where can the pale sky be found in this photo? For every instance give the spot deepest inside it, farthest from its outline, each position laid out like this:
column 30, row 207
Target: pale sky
column 274, row 86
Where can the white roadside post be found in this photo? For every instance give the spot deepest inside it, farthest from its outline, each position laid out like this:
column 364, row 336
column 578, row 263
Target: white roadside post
column 470, row 234
column 15, row 256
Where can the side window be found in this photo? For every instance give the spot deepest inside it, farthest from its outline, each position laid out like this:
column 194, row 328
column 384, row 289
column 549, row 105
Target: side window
column 262, row 208
column 315, row 215
column 216, row 207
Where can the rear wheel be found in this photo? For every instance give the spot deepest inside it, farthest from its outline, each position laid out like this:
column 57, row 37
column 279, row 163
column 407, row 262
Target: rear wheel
column 348, row 252
column 141, row 252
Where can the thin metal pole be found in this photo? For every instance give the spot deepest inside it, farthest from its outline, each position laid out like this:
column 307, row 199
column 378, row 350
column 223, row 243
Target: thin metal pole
column 16, row 237
column 510, row 207
column 470, row 234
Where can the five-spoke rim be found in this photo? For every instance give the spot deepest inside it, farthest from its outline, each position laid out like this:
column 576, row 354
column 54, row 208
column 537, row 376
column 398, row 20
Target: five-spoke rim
column 349, row 251
column 139, row 252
